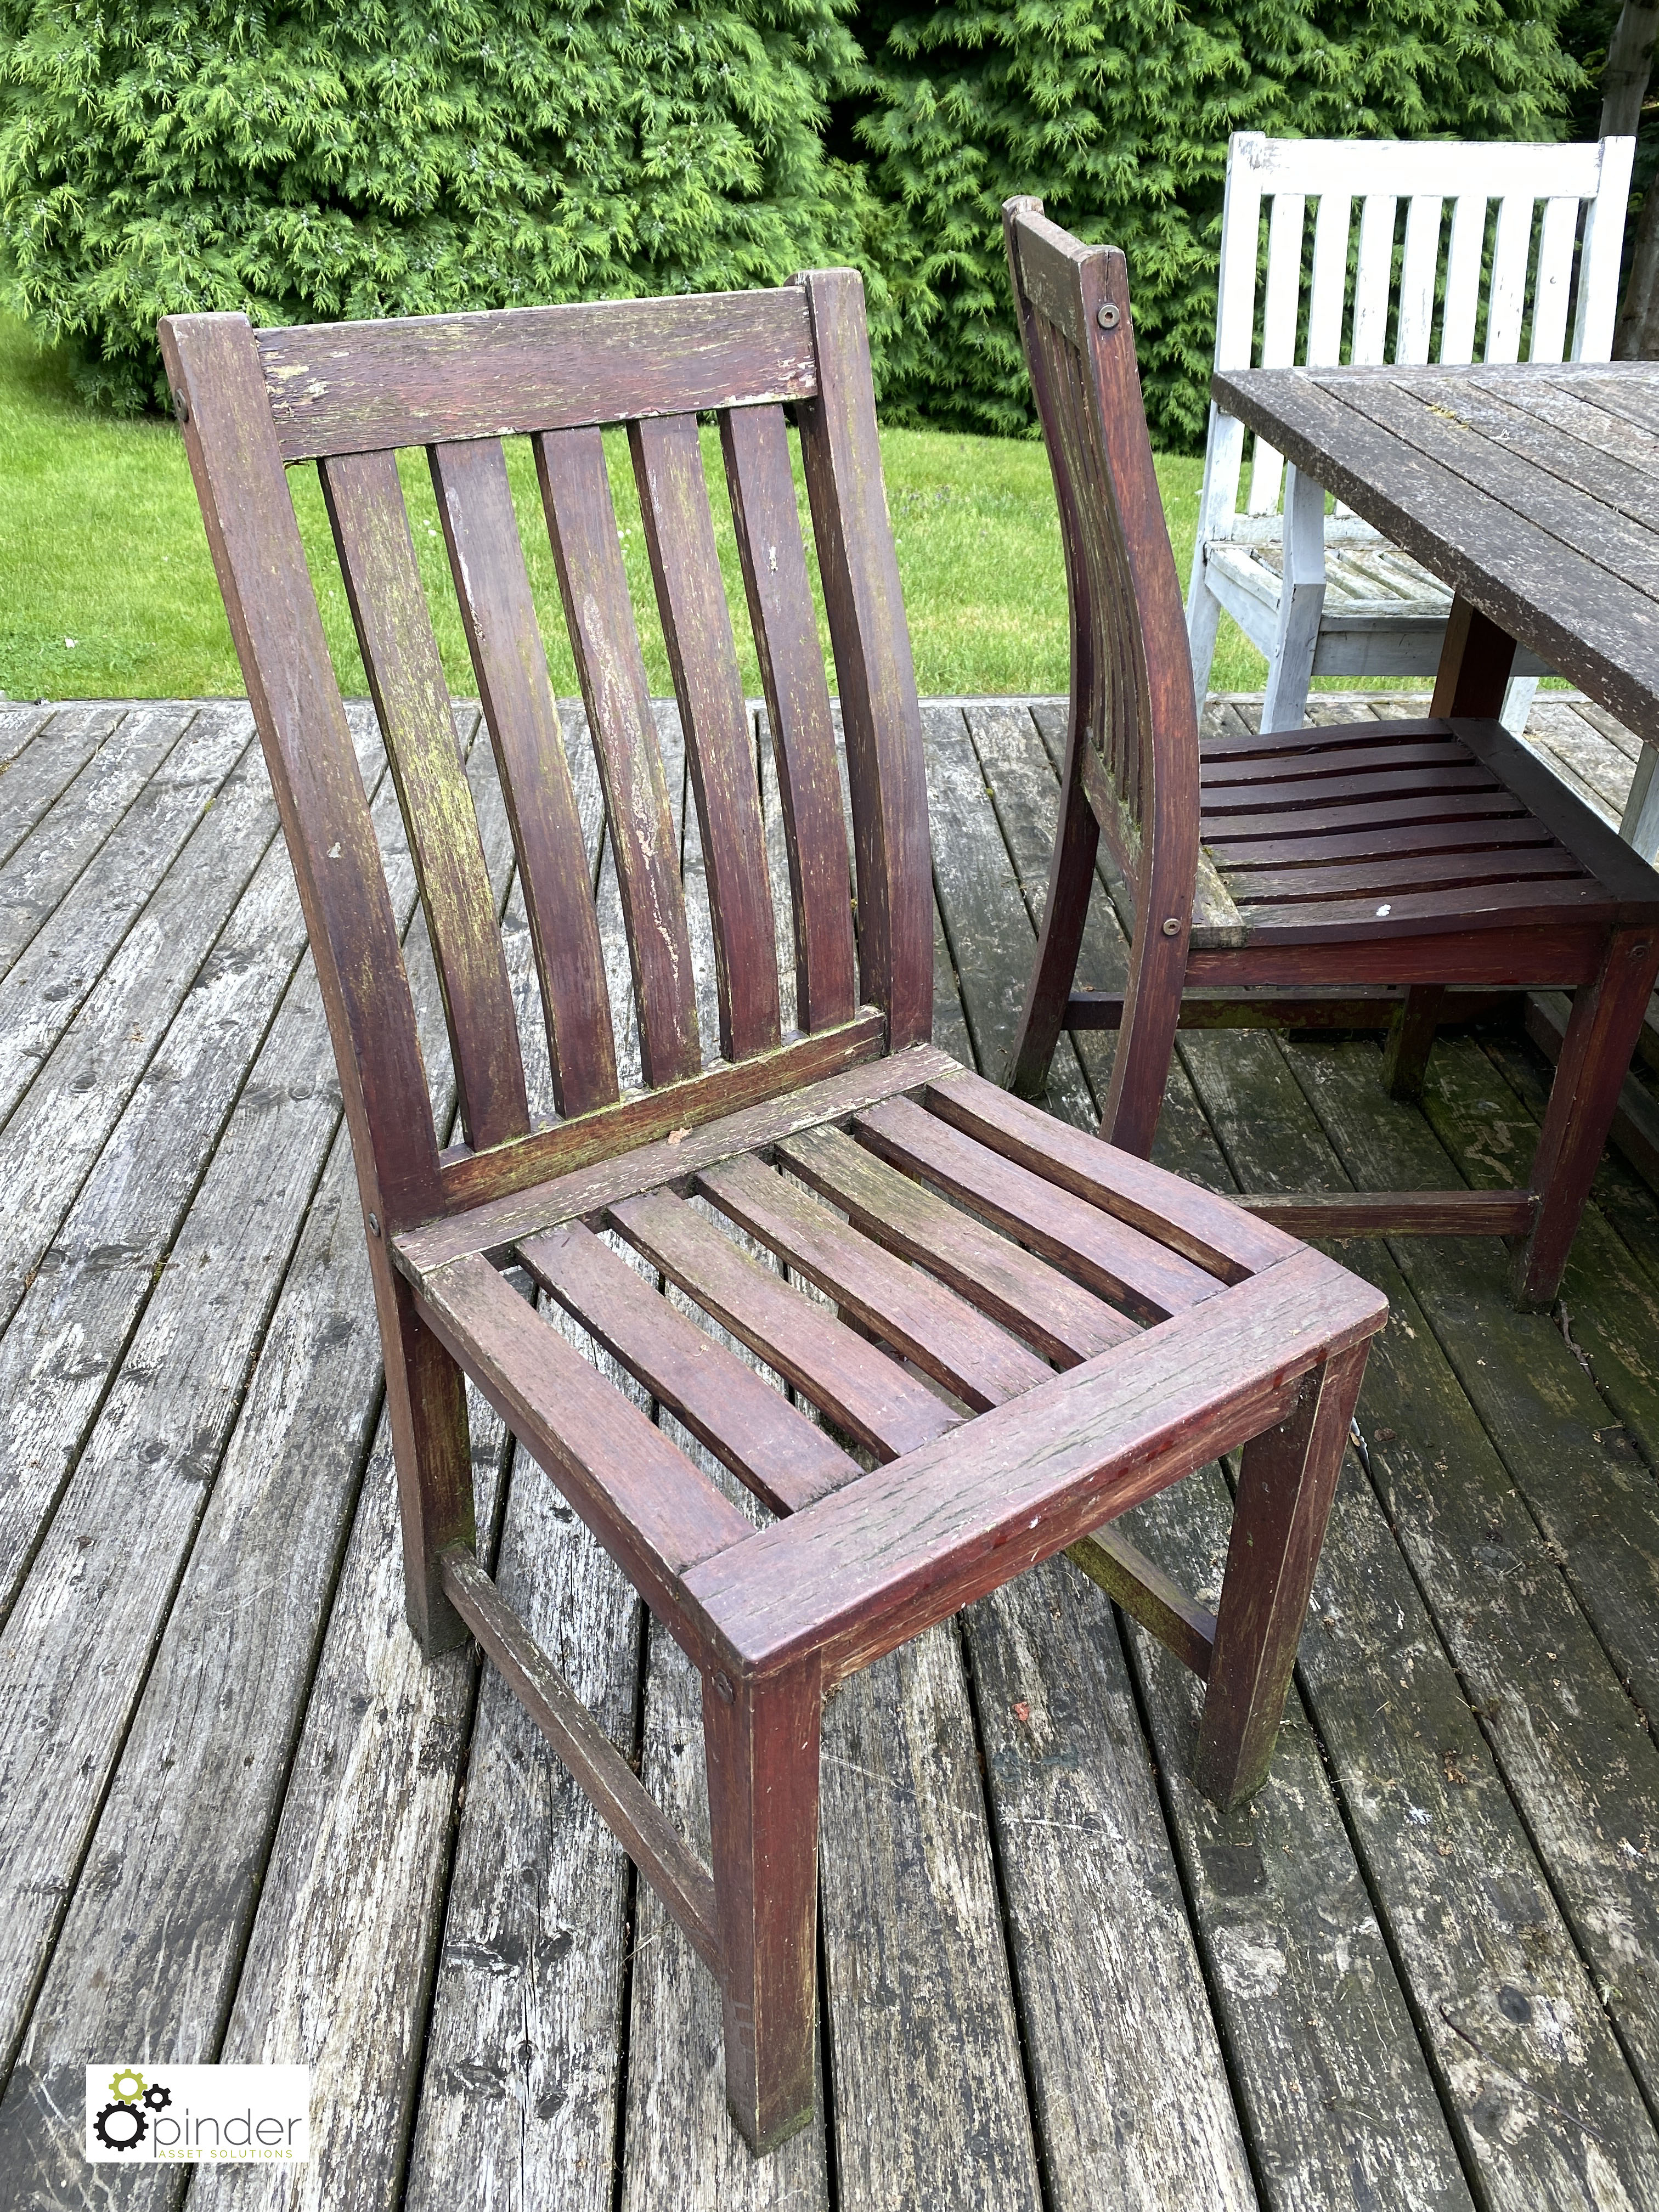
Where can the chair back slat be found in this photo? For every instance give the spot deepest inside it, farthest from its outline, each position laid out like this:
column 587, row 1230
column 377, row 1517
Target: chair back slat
column 509, row 661
column 1278, row 329
column 611, row 668
column 1134, row 738
column 1506, row 306
column 881, row 717
column 1554, row 280
column 1468, row 238
column 679, row 535
column 371, row 535
column 1373, row 277
column 347, row 388
column 1417, row 273
column 774, row 561
column 1328, row 290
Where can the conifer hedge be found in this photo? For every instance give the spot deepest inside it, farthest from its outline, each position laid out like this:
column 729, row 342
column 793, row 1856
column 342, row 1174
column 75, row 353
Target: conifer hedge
column 1117, row 113
column 307, row 160
column 310, row 159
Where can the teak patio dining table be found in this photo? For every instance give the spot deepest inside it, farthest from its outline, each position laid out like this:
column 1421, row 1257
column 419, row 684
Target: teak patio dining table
column 1533, row 491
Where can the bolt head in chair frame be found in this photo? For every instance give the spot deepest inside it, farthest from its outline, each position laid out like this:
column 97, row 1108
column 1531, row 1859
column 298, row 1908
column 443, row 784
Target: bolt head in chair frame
column 1289, row 878
column 1028, row 1332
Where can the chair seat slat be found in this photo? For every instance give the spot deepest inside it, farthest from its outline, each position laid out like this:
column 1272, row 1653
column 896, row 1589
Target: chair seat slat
column 576, row 494
column 946, row 1337
column 1050, row 1312
column 1386, row 878
column 1221, row 799
column 1464, row 807
column 679, row 535
column 371, row 528
column 769, row 547
column 846, row 1376
column 650, row 1508
column 1105, row 1255
column 1485, row 833
column 486, row 554
column 1189, row 1219
column 768, row 1444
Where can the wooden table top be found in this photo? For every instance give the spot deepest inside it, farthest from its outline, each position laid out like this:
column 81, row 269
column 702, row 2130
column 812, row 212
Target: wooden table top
column 1533, row 491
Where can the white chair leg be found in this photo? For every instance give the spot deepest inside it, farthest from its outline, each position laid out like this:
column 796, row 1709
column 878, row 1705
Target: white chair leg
column 1517, row 704
column 1301, row 604
column 1203, row 621
column 1640, row 826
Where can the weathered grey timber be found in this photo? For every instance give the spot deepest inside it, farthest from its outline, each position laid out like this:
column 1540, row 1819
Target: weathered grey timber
column 241, row 1819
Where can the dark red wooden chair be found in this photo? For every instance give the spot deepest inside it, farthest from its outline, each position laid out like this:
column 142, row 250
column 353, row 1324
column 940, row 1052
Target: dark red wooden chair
column 1029, row 1332
column 1272, row 878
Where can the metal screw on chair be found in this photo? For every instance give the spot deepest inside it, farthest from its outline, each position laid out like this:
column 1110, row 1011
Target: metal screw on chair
column 1106, row 317
column 1172, row 928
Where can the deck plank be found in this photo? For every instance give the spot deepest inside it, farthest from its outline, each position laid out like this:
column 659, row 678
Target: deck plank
column 1247, row 1088
column 1419, row 1965
column 1059, row 1896
column 40, row 871
column 169, row 1831
column 1491, row 1957
column 85, row 1277
column 47, row 763
column 62, row 1120
column 522, row 2068
column 46, row 987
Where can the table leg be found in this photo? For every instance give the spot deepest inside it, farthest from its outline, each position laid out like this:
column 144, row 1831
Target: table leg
column 1474, row 665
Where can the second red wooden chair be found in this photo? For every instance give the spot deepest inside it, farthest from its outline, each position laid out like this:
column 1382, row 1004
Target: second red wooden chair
column 1255, row 872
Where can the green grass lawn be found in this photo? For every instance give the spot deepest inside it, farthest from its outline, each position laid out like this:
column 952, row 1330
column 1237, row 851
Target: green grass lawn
column 106, row 590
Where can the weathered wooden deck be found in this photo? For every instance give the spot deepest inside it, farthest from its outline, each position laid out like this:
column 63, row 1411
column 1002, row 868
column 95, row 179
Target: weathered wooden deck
column 241, row 1819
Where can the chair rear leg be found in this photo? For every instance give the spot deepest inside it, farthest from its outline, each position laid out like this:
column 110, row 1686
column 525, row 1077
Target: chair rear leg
column 1596, row 1055
column 426, row 1404
column 1411, row 1033
column 1285, row 1488
column 761, row 1745
column 1071, row 880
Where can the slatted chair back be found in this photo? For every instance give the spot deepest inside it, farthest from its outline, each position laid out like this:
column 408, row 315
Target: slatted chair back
column 1132, row 751
column 347, row 397
column 1557, row 231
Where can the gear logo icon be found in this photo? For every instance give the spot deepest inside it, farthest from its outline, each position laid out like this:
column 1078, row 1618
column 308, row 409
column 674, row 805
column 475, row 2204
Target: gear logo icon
column 158, row 2096
column 120, row 2126
column 126, row 2085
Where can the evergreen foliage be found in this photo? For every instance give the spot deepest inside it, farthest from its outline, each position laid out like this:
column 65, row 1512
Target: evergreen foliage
column 307, row 160
column 1117, row 113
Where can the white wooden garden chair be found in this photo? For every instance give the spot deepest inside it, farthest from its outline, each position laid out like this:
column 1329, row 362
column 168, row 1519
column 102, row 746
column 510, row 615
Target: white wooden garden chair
column 1355, row 606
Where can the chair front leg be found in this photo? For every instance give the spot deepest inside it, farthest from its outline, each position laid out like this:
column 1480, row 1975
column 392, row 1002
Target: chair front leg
column 1301, row 605
column 1203, row 626
column 431, row 1447
column 1286, row 1484
column 761, row 1745
column 1596, row 1054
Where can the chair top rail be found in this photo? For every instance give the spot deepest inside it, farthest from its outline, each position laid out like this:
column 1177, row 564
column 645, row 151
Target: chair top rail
column 354, row 387
column 1493, row 168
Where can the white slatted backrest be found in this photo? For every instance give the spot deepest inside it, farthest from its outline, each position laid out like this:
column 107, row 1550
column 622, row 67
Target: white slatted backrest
column 1379, row 173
